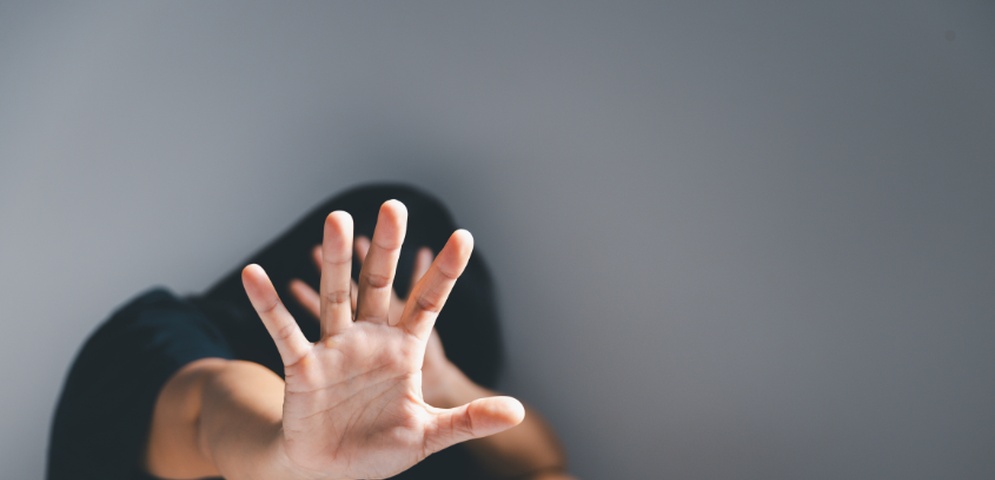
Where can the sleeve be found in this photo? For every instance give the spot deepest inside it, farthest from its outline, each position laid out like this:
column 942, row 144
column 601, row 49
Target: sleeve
column 104, row 414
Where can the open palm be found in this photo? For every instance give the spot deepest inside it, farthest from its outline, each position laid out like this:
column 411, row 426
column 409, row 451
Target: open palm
column 353, row 405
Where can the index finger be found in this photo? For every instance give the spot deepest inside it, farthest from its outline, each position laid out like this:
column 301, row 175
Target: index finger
column 376, row 277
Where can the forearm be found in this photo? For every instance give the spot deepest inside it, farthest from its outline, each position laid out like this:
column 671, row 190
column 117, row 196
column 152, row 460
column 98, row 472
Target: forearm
column 217, row 418
column 240, row 422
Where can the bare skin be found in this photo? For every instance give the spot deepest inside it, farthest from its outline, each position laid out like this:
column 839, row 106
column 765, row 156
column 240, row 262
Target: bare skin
column 352, row 403
column 530, row 450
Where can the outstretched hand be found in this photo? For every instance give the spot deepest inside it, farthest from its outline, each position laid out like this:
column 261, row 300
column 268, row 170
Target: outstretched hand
column 443, row 383
column 353, row 406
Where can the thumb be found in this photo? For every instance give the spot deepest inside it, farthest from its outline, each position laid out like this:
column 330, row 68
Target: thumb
column 479, row 418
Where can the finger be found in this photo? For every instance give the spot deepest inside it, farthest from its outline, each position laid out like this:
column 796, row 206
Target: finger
column 353, row 287
column 479, row 418
column 430, row 293
column 336, row 276
column 289, row 339
column 353, row 294
column 307, row 297
column 316, row 256
column 376, row 278
column 362, row 248
column 423, row 260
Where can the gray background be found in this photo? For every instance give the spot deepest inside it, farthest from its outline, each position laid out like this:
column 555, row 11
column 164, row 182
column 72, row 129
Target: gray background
column 733, row 239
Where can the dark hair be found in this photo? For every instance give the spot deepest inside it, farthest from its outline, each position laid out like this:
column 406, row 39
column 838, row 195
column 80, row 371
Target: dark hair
column 468, row 324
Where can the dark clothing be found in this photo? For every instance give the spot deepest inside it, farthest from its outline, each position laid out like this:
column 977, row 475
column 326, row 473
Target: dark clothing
column 102, row 421
column 103, row 418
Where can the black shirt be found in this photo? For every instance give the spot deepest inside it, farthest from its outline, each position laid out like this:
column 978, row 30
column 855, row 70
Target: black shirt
column 104, row 414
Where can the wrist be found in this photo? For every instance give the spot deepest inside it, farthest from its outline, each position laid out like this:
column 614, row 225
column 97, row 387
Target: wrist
column 281, row 465
column 262, row 454
column 284, row 466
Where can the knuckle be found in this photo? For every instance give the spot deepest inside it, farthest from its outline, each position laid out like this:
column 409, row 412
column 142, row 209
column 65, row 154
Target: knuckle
column 450, row 274
column 284, row 332
column 376, row 281
column 338, row 297
column 429, row 304
column 268, row 307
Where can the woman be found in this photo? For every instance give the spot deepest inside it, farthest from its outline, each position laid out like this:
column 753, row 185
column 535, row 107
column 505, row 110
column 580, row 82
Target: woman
column 351, row 382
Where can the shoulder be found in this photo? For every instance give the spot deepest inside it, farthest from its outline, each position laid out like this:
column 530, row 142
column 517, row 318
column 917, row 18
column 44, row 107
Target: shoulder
column 155, row 316
column 156, row 329
column 153, row 303
column 105, row 408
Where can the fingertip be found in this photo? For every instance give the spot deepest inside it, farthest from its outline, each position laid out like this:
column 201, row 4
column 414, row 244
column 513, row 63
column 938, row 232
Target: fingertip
column 340, row 220
column 465, row 239
column 465, row 234
column 391, row 226
column 252, row 271
column 394, row 210
column 495, row 414
column 297, row 285
column 338, row 215
column 336, row 243
column 298, row 289
column 258, row 286
column 395, row 205
column 514, row 410
column 461, row 243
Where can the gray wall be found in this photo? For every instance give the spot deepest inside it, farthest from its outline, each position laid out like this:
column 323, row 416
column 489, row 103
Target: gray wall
column 733, row 240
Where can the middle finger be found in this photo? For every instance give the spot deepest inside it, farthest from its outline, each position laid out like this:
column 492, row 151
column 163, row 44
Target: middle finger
column 376, row 278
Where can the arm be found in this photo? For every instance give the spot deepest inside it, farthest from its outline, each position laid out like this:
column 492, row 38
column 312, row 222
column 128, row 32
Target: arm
column 217, row 415
column 235, row 410
column 351, row 405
